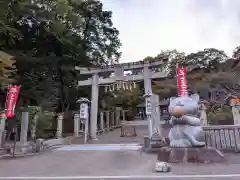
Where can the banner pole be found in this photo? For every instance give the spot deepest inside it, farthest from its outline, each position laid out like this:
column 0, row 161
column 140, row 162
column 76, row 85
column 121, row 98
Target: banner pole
column 177, row 78
column 5, row 111
column 3, row 123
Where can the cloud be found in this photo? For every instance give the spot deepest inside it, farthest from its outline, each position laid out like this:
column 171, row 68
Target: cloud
column 147, row 27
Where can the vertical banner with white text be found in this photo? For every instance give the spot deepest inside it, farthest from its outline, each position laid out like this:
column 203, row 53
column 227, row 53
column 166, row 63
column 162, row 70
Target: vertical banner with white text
column 11, row 101
column 182, row 81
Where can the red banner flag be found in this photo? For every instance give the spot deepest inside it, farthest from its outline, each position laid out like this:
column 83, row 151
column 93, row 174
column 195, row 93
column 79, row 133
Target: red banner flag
column 12, row 97
column 182, row 81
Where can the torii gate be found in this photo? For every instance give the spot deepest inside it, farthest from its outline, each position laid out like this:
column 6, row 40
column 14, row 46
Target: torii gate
column 118, row 70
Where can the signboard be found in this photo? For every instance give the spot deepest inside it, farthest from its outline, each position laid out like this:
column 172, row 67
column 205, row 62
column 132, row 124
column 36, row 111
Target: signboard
column 148, row 107
column 182, row 81
column 12, row 97
column 83, row 111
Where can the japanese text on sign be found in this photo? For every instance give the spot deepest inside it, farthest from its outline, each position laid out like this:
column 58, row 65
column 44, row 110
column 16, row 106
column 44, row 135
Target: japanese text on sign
column 83, row 111
column 148, row 107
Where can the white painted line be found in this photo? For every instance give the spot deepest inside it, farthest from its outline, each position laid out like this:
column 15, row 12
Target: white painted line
column 100, row 147
column 126, row 177
column 79, row 145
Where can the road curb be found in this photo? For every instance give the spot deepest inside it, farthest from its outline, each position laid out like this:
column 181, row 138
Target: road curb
column 46, row 148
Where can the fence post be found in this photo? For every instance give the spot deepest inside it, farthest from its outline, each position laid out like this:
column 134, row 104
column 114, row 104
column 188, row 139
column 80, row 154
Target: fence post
column 112, row 120
column 203, row 115
column 118, row 112
column 2, row 129
column 235, row 111
column 107, row 120
column 76, row 124
column 101, row 122
column 24, row 126
column 59, row 124
column 124, row 115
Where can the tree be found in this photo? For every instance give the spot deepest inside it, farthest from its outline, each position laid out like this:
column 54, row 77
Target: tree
column 7, row 68
column 127, row 99
column 201, row 66
column 54, row 37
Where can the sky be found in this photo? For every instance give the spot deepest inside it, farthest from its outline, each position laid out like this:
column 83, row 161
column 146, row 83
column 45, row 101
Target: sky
column 149, row 26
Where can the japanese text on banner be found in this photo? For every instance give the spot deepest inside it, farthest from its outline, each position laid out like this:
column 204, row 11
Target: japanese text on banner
column 182, row 81
column 12, row 97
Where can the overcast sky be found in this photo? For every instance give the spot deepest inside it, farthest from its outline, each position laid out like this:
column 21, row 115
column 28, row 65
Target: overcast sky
column 149, row 26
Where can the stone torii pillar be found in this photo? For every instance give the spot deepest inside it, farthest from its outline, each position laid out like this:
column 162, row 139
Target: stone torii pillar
column 94, row 107
column 154, row 123
column 148, row 94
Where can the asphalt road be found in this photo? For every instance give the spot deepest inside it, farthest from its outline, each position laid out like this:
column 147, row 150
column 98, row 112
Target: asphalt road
column 110, row 165
column 127, row 178
column 102, row 164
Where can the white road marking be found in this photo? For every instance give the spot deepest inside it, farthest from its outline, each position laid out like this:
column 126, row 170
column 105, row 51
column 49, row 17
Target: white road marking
column 220, row 176
column 99, row 147
column 127, row 144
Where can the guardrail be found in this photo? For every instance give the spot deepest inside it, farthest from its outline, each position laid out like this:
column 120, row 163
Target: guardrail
column 223, row 137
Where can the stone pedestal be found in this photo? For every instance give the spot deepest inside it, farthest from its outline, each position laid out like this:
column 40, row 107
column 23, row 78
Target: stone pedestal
column 192, row 155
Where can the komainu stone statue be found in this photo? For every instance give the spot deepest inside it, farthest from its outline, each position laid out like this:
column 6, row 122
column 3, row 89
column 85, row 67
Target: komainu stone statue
column 186, row 131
